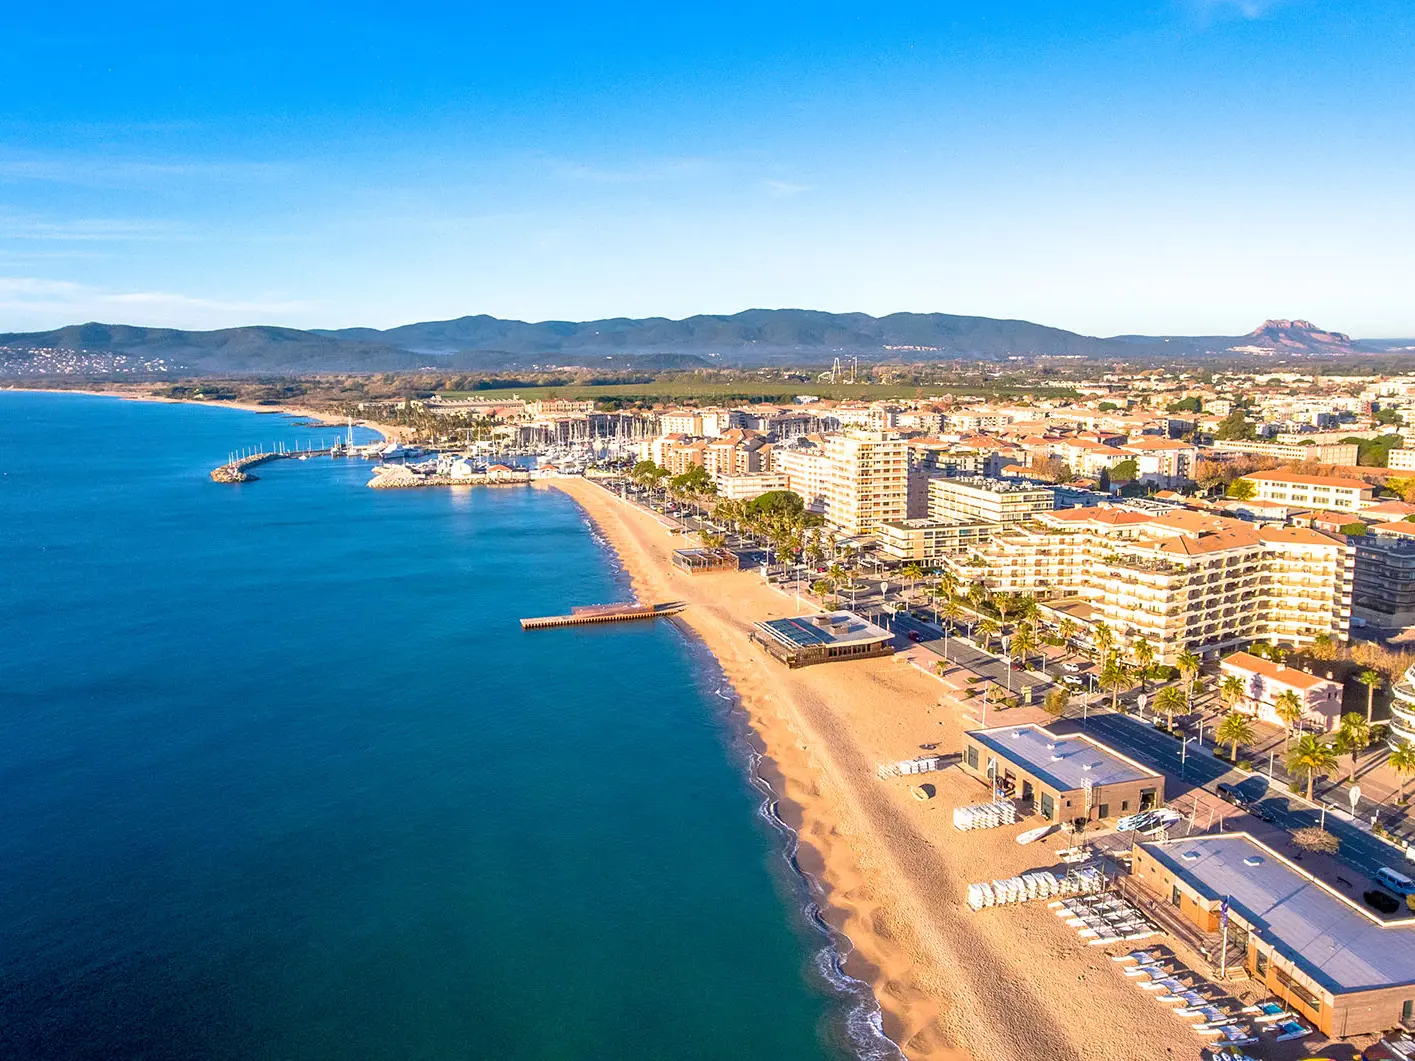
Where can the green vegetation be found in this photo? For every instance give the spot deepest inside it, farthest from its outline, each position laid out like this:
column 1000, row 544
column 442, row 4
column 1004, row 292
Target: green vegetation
column 1186, row 405
column 739, row 391
column 1235, row 427
column 1355, row 529
column 1242, row 489
column 1373, row 452
column 1126, row 471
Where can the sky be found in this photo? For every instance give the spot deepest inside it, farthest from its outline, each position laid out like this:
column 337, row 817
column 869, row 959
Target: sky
column 1155, row 166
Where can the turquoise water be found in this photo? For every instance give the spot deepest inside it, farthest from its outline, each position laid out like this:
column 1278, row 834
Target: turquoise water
column 282, row 777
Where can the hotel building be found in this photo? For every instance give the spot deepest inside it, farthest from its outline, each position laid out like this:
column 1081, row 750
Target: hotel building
column 1264, row 681
column 1182, row 580
column 1402, row 709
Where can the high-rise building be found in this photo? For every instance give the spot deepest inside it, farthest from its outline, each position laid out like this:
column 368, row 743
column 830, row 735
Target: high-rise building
column 867, row 480
column 993, row 500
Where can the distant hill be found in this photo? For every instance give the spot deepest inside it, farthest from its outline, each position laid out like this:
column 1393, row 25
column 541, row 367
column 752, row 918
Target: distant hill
column 751, row 338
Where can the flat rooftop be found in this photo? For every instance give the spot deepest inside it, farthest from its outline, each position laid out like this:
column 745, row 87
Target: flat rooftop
column 1336, row 942
column 993, row 486
column 825, row 628
column 1064, row 762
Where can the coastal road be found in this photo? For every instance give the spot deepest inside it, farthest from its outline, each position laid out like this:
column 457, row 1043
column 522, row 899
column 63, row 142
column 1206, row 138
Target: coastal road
column 1359, row 849
column 966, row 655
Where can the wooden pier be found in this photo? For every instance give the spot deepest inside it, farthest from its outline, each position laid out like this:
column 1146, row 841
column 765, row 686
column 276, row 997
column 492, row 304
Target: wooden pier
column 602, row 613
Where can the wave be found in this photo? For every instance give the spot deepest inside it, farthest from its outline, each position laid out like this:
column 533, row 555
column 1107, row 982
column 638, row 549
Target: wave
column 859, row 1021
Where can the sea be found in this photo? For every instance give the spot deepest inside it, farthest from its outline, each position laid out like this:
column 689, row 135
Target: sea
column 281, row 776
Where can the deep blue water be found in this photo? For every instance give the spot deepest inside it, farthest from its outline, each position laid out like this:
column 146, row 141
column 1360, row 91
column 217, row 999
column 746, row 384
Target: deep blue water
column 281, row 776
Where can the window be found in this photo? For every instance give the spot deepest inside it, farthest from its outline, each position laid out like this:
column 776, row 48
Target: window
column 1407, row 1011
column 973, row 756
column 1048, row 806
column 1260, row 963
column 1124, row 805
column 1103, row 811
column 1174, row 897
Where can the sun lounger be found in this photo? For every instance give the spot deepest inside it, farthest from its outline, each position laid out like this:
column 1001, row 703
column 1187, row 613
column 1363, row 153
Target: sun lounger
column 1289, row 1029
column 1153, row 970
column 1237, row 1035
column 1168, row 984
column 1141, row 957
column 1267, row 1012
column 1187, row 998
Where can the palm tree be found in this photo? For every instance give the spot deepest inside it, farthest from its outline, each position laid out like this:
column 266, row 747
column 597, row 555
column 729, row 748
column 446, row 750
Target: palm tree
column 1352, row 738
column 1288, row 707
column 1171, row 699
column 1026, row 606
column 1113, row 678
column 948, row 583
column 1372, row 681
column 950, row 613
column 1235, row 729
column 977, row 594
column 1311, row 757
column 1003, row 603
column 1023, row 643
column 1189, row 665
column 1144, row 657
column 1402, row 761
column 1231, row 690
column 1066, row 630
column 985, row 629
column 913, row 572
column 1104, row 638
column 835, row 574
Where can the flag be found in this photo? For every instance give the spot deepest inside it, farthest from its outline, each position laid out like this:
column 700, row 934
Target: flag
column 1223, row 913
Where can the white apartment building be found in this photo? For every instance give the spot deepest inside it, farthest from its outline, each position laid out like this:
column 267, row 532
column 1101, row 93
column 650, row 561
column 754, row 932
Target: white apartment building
column 1264, row 681
column 1182, row 580
column 806, row 471
column 928, row 541
column 867, row 480
column 1321, row 452
column 992, row 500
column 1400, row 459
column 746, row 487
column 1327, row 492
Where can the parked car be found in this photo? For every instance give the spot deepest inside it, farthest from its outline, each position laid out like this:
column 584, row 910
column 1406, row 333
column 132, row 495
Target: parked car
column 1073, row 680
column 913, row 635
column 1380, row 901
column 1071, row 668
column 1395, row 882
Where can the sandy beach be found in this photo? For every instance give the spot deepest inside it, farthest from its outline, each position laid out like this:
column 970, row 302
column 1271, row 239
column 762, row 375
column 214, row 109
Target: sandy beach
column 1010, row 984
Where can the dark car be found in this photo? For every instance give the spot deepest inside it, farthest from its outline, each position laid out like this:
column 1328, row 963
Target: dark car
column 914, row 635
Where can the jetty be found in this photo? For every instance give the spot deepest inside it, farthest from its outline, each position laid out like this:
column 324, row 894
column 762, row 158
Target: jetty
column 236, row 470
column 603, row 613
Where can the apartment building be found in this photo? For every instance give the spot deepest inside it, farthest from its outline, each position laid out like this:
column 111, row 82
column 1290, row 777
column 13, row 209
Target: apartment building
column 1399, row 459
column 737, row 452
column 746, row 487
column 1264, row 681
column 1162, row 461
column 807, row 471
column 1402, row 709
column 928, row 541
column 1330, row 492
column 1383, row 584
column 1322, row 453
column 991, row 500
column 677, row 453
column 1182, row 580
column 867, row 478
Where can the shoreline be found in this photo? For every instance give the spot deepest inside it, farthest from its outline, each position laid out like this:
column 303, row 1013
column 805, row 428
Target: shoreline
column 886, row 869
column 383, row 431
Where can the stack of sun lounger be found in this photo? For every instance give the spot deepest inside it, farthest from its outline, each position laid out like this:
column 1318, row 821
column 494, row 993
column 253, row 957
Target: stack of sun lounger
column 1225, row 1054
column 1072, row 855
column 1037, row 884
column 985, row 815
column 1236, row 1035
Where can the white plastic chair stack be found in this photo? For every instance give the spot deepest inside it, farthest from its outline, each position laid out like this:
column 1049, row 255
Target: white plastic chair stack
column 985, row 815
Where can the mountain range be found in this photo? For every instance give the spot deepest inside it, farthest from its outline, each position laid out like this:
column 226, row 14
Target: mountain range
column 752, row 338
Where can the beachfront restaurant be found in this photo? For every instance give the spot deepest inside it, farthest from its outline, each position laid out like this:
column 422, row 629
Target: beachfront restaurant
column 706, row 561
column 1320, row 953
column 828, row 637
column 1067, row 778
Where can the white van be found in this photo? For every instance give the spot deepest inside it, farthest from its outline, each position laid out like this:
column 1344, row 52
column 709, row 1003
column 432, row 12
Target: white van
column 1395, row 882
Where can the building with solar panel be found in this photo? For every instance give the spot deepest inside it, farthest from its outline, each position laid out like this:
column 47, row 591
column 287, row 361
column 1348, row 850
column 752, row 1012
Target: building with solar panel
column 803, row 640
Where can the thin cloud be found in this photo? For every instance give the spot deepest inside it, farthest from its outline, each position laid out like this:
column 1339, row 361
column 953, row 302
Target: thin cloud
column 664, row 170
column 108, row 171
column 1207, row 11
column 93, row 229
column 33, row 299
column 785, row 188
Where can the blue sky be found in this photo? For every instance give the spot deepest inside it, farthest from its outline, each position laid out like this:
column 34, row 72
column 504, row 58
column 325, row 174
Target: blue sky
column 1184, row 166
